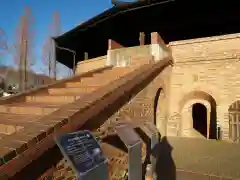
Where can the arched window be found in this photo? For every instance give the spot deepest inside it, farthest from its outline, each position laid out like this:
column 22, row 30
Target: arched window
column 234, row 122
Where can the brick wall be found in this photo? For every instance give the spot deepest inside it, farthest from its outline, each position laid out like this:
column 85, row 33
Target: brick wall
column 91, row 64
column 210, row 48
column 9, row 129
column 205, row 71
column 205, row 65
column 122, row 56
column 113, row 45
column 146, row 103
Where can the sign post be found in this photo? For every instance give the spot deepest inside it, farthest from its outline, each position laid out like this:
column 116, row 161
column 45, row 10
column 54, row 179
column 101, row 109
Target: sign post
column 134, row 146
column 152, row 132
column 84, row 154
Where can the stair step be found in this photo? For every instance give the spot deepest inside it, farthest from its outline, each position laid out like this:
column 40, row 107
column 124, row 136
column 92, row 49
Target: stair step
column 52, row 99
column 14, row 122
column 111, row 77
column 29, row 108
column 122, row 69
column 83, row 85
column 2, row 135
column 139, row 60
column 105, row 79
column 11, row 123
column 101, row 79
column 10, row 129
column 71, row 90
column 17, row 117
column 117, row 72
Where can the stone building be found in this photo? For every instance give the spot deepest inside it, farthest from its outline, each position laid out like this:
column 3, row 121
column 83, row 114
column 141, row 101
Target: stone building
column 173, row 63
column 199, row 95
column 203, row 88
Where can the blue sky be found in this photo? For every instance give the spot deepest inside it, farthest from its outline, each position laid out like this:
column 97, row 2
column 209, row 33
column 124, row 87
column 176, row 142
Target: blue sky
column 72, row 13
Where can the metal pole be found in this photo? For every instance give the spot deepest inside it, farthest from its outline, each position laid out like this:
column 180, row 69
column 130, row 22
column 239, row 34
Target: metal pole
column 74, row 63
column 21, row 58
column 49, row 60
column 69, row 50
column 25, row 65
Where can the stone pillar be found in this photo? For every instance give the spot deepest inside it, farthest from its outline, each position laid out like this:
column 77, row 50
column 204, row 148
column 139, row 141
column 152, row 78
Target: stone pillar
column 142, row 38
column 85, row 55
column 156, row 39
column 223, row 120
column 113, row 57
column 113, row 45
column 159, row 48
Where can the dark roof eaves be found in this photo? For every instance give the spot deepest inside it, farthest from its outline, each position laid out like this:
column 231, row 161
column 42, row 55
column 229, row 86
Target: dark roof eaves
column 113, row 11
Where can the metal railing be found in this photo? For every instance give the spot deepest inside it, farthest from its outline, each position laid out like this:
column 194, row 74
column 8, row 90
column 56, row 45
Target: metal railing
column 74, row 56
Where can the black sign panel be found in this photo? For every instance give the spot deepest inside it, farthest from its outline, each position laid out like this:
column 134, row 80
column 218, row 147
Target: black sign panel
column 82, row 150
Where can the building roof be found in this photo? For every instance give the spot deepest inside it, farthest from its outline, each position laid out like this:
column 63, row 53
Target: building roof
column 174, row 19
column 95, row 26
column 113, row 11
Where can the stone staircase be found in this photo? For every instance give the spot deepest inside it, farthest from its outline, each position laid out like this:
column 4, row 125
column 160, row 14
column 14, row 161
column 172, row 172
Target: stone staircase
column 31, row 120
column 22, row 114
column 14, row 116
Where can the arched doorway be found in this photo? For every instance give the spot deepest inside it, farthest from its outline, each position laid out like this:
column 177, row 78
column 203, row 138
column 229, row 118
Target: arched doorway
column 159, row 111
column 199, row 117
column 234, row 122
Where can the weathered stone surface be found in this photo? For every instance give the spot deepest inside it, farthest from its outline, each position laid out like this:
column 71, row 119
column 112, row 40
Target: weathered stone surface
column 205, row 71
column 208, row 65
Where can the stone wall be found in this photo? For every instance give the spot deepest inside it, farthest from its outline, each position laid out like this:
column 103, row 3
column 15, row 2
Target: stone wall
column 149, row 103
column 210, row 48
column 122, row 56
column 91, row 64
column 150, row 99
column 205, row 71
column 119, row 55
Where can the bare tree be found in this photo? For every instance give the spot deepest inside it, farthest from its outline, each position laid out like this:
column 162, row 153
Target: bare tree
column 4, row 50
column 3, row 46
column 23, row 47
column 48, row 60
column 46, row 57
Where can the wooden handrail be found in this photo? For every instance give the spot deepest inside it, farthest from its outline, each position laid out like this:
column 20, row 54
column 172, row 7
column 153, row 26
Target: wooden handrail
column 82, row 113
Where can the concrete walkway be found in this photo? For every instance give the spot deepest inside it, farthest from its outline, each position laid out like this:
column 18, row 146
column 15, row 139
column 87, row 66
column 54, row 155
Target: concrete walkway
column 202, row 159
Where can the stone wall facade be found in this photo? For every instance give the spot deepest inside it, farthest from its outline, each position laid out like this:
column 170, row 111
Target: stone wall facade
column 205, row 71
column 121, row 57
column 91, row 64
column 148, row 103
